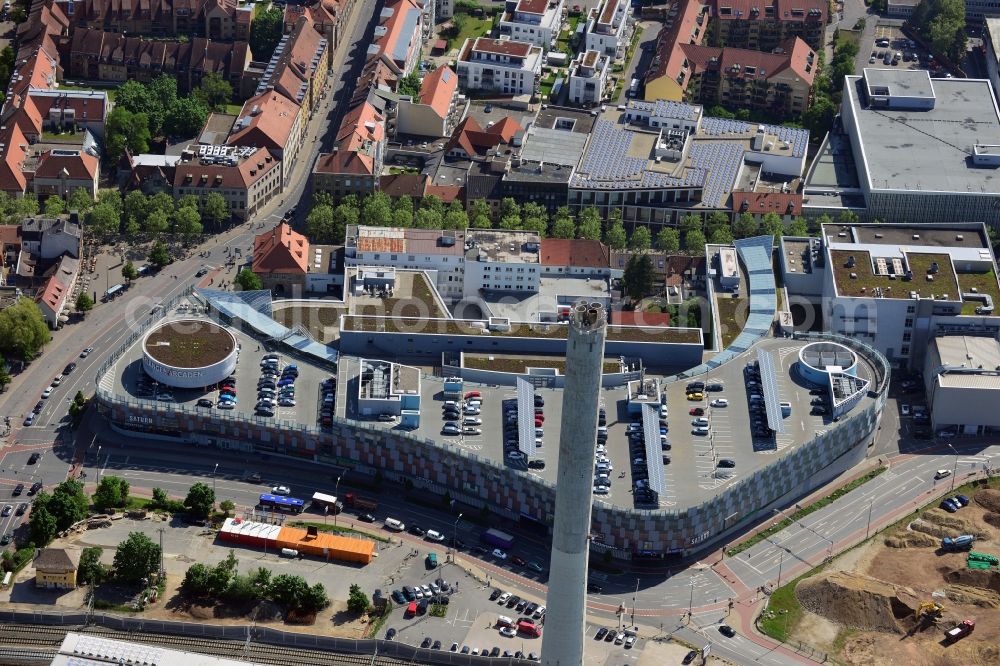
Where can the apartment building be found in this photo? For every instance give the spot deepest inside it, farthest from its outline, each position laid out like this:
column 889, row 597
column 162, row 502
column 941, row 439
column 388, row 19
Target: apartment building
column 609, row 29
column 434, row 112
column 666, row 78
column 246, row 177
column 356, row 162
column 501, row 66
column 399, row 35
column 271, row 120
column 299, row 66
column 765, row 25
column 215, row 19
column 588, row 78
column 536, row 22
column 498, row 261
column 440, row 253
column 778, row 84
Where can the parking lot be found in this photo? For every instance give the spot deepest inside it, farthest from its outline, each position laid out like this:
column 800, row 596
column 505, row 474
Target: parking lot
column 305, row 400
column 890, row 40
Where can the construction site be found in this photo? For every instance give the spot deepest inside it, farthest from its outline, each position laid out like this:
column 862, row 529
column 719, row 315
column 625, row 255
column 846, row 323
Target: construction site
column 926, row 591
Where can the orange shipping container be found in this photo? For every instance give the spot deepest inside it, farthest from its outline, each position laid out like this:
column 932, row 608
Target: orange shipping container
column 326, row 546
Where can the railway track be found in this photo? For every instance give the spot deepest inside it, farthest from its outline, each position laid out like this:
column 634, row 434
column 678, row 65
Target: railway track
column 39, row 639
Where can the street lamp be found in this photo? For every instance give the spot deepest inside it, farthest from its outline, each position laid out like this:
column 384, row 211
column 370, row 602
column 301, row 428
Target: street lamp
column 781, row 559
column 870, row 505
column 454, row 536
column 954, row 471
column 98, row 464
column 634, row 595
column 213, row 477
column 336, row 489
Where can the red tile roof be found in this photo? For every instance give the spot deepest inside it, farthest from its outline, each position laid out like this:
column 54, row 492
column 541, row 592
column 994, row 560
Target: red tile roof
column 241, row 176
column 74, row 164
column 578, row 252
column 265, row 120
column 733, row 63
column 438, row 88
column 688, row 28
column 362, row 126
column 446, row 193
column 470, row 137
column 14, row 148
column 532, row 6
column 53, row 293
column 740, row 10
column 281, row 250
column 394, row 25
column 767, row 202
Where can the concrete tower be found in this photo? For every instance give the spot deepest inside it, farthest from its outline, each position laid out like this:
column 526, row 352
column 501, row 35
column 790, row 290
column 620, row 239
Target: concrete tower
column 563, row 640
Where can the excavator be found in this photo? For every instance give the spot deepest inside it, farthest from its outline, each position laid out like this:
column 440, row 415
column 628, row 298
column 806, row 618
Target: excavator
column 928, row 612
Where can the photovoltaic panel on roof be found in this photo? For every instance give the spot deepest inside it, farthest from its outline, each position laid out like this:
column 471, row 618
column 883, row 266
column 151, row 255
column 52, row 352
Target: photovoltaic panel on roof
column 651, row 436
column 525, row 417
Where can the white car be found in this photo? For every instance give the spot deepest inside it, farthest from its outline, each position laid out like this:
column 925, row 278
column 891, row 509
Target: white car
column 225, row 404
column 86, row 352
column 281, row 490
column 508, row 632
column 434, row 535
column 57, row 381
column 904, row 410
column 601, row 490
column 699, row 430
column 503, row 598
column 629, row 641
column 469, row 430
column 47, row 392
column 469, row 410
column 720, row 402
column 700, row 421
column 619, row 638
column 539, row 612
column 499, row 554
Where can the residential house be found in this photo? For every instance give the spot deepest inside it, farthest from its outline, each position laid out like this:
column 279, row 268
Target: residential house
column 501, row 66
column 325, row 18
column 608, row 28
column 13, row 151
column 536, row 22
column 149, row 173
column 471, row 141
column 281, row 258
column 299, row 66
column 355, row 164
column 588, row 77
column 399, row 34
column 765, row 25
column 60, row 172
column 53, row 297
column 56, row 567
column 271, row 120
column 576, row 257
column 226, row 20
column 668, row 73
column 777, row 84
column 246, row 177
column 51, row 238
column 434, row 111
column 57, row 110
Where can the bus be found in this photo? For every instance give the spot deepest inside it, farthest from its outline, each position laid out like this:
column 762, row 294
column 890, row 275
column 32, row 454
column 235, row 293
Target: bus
column 328, row 502
column 113, row 291
column 281, row 503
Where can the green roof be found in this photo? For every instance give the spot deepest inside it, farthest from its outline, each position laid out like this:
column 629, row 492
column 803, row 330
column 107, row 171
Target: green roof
column 866, row 281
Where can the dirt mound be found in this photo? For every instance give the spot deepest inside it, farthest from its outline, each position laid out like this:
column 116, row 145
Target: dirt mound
column 989, row 499
column 964, row 594
column 985, row 580
column 992, row 519
column 911, row 540
column 938, row 523
column 857, row 602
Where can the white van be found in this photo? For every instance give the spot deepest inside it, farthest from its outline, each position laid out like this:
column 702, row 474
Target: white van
column 289, row 552
column 505, row 621
column 472, row 421
column 434, row 535
column 395, row 525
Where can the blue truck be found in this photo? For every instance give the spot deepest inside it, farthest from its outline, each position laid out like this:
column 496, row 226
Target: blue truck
column 963, row 542
column 497, row 538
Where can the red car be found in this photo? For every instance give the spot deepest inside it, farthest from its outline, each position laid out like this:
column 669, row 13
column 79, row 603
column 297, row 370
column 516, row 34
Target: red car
column 518, row 561
column 697, row 411
column 473, row 394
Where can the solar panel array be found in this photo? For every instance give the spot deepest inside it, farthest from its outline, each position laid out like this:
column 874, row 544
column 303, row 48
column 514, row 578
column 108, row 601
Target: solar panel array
column 607, row 164
column 117, row 652
column 721, row 160
column 651, row 434
column 798, row 137
column 525, row 417
column 769, row 382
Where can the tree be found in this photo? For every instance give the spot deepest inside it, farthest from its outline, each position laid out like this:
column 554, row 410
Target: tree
column 80, row 200
column 745, row 226
column 227, row 507
column 315, row 599
column 288, row 590
column 942, row 22
column 123, row 131
column 639, row 277
column 84, row 303
column 771, row 225
column 103, row 220
column 136, row 558
column 563, row 225
column 134, row 97
column 376, row 210
column 23, row 331
column 90, row 570
column 409, row 85
column 640, row 239
column 187, row 221
column 589, row 224
column 215, row 209
column 160, row 498
column 129, row 271
column 197, row 580
column 77, row 408
column 668, row 240
column 357, row 600
column 6, row 65
column 615, row 236
column 343, row 215
column 156, row 222
column 215, row 92
column 847, row 218
column 109, row 197
column 456, row 217
column 691, row 223
column 265, row 33
column 184, row 117
column 480, row 209
column 221, row 575
column 818, row 118
column 510, row 222
column 135, row 208
column 428, row 218
column 200, row 500
column 319, row 224
column 798, row 227
column 69, row 504
column 247, row 280
column 112, row 492
column 694, row 242
column 509, row 208
column 722, row 236
column 159, row 256
column 5, row 377
column 54, row 206
column 42, row 524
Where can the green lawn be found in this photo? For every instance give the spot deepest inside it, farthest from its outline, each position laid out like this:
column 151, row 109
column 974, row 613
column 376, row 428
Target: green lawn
column 472, row 28
column 233, row 109
column 983, row 283
column 732, row 317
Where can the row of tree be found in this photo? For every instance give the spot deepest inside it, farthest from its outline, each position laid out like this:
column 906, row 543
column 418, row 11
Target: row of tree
column 138, row 213
column 942, row 23
column 327, row 223
column 223, row 582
